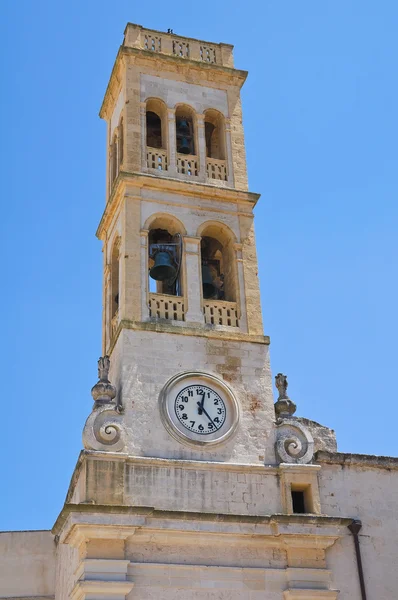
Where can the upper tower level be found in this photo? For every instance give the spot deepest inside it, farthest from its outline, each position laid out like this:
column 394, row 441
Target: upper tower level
column 178, row 233
column 173, row 110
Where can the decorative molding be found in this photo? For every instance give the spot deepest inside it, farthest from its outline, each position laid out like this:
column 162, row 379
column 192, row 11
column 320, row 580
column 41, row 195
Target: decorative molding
column 104, row 428
column 294, row 442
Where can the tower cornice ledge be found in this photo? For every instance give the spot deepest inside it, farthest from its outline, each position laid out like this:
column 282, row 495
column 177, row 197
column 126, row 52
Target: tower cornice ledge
column 289, row 526
column 206, row 71
column 185, row 329
column 166, row 184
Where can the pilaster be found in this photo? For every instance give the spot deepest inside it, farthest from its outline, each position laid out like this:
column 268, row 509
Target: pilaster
column 193, row 279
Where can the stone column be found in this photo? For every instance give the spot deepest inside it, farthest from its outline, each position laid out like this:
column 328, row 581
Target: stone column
column 192, row 280
column 228, row 155
column 143, row 135
column 241, row 299
column 144, row 275
column 130, row 286
column 201, row 149
column 172, row 150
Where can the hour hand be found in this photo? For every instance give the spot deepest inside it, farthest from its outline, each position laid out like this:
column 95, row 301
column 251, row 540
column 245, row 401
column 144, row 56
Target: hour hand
column 200, row 404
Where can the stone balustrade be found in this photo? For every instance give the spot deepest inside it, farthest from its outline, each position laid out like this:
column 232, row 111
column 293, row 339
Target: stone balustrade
column 156, row 159
column 187, row 165
column 165, row 306
column 220, row 312
column 216, row 169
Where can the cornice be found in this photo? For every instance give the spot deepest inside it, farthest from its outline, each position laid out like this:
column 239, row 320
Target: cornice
column 199, row 331
column 168, row 184
column 171, row 63
column 367, row 461
column 77, row 531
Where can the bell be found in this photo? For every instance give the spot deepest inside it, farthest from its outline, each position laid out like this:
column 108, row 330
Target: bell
column 183, row 127
column 184, row 146
column 163, row 268
column 207, row 282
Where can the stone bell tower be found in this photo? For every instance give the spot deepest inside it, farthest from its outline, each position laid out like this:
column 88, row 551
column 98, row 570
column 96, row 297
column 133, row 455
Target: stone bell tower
column 190, row 476
column 181, row 290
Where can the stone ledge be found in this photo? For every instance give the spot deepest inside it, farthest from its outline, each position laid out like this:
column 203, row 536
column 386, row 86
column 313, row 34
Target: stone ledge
column 358, row 460
column 158, row 327
column 146, row 511
column 194, row 188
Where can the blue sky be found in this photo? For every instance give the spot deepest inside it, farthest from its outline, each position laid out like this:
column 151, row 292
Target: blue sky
column 320, row 115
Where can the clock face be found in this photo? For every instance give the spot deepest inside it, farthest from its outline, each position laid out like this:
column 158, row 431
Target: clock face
column 198, row 409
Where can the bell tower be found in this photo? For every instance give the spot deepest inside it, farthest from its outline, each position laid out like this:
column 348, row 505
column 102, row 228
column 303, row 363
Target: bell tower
column 181, row 291
column 190, row 476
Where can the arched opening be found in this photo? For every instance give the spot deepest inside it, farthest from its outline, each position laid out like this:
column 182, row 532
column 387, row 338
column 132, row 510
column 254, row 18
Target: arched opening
column 185, row 130
column 115, row 279
column 219, row 275
column 164, row 256
column 113, row 163
column 153, row 130
column 215, row 134
column 219, row 278
column 156, row 134
column 120, row 149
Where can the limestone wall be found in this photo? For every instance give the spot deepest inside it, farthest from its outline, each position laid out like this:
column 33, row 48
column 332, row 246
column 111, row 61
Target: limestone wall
column 141, row 369
column 371, row 495
column 27, row 565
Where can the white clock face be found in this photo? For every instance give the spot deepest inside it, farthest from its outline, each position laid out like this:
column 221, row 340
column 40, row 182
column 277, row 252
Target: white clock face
column 198, row 409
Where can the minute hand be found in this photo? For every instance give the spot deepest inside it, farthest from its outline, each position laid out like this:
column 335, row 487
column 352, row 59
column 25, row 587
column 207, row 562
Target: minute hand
column 209, row 417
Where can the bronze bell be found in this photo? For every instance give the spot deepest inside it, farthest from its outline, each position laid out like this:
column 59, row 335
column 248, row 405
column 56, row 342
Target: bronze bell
column 184, row 146
column 163, row 268
column 209, row 288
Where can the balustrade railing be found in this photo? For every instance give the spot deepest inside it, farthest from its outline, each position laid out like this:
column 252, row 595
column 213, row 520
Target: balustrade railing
column 173, row 45
column 216, row 169
column 220, row 312
column 164, row 306
column 156, row 158
column 187, row 164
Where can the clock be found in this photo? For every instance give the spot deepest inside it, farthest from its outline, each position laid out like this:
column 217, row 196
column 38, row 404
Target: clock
column 198, row 409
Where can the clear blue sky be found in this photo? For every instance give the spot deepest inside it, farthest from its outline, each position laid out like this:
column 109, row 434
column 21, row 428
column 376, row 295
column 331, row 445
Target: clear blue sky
column 320, row 114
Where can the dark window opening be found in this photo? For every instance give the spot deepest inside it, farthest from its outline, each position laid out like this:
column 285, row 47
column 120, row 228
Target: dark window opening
column 153, row 130
column 184, row 135
column 298, row 502
column 163, row 263
column 209, row 129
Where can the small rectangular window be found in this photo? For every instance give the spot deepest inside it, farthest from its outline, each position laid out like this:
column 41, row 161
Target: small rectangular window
column 298, row 502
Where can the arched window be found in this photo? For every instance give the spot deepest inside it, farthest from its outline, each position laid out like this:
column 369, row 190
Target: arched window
column 219, row 276
column 113, row 164
column 185, row 130
column 120, row 149
column 153, row 130
column 156, row 134
column 164, row 248
column 215, row 135
column 115, row 278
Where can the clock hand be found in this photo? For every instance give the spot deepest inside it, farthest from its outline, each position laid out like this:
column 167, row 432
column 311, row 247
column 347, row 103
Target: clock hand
column 209, row 417
column 200, row 404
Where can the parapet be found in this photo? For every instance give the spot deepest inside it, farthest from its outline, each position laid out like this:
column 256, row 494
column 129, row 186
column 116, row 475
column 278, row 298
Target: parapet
column 136, row 36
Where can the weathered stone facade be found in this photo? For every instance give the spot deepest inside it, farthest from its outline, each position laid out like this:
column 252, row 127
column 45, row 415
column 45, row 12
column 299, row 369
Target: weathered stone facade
column 267, row 513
